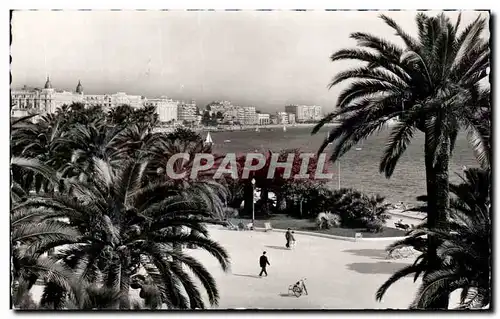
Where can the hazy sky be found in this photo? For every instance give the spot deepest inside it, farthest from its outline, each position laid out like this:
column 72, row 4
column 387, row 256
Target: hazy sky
column 265, row 59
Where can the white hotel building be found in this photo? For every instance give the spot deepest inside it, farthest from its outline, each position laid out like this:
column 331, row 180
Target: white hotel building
column 167, row 109
column 47, row 100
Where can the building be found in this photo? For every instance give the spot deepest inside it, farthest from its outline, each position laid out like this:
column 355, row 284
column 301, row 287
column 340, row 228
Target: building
column 187, row 112
column 47, row 100
column 247, row 115
column 121, row 98
column 103, row 100
column 263, row 119
column 282, row 117
column 108, row 101
column 305, row 113
column 167, row 109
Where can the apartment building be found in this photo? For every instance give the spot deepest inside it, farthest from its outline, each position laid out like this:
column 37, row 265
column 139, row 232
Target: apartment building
column 247, row 115
column 305, row 113
column 187, row 112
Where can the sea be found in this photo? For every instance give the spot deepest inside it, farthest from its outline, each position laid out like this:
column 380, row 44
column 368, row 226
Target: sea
column 359, row 168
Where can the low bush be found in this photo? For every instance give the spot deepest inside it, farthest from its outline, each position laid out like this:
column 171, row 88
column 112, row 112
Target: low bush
column 305, row 198
column 357, row 210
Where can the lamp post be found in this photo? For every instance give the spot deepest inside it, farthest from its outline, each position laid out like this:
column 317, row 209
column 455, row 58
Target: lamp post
column 253, row 204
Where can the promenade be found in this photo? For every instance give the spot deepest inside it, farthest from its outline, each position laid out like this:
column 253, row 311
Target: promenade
column 340, row 274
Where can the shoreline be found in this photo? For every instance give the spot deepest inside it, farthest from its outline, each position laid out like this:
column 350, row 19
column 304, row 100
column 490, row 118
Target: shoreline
column 237, row 128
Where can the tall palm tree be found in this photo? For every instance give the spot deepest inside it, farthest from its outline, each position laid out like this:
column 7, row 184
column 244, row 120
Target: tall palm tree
column 126, row 226
column 464, row 250
column 432, row 84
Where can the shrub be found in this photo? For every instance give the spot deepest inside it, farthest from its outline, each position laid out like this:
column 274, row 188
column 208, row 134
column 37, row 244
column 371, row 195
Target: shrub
column 314, row 195
column 264, row 207
column 357, row 210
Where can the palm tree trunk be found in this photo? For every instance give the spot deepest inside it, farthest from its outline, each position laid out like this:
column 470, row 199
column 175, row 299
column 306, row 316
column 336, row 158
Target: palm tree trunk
column 438, row 204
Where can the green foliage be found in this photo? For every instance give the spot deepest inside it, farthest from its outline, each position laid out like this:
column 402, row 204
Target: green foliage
column 184, row 135
column 90, row 187
column 209, row 120
column 434, row 83
column 464, row 248
column 315, row 196
column 358, row 210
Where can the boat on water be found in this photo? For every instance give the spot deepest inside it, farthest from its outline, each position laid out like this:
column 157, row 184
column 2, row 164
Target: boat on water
column 227, row 141
column 208, row 139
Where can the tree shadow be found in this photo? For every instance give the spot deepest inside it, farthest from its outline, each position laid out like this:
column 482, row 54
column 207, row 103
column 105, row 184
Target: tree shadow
column 380, row 254
column 388, row 268
column 250, row 276
column 277, row 247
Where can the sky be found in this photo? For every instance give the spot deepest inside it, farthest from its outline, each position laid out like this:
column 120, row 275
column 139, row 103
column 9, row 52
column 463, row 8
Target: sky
column 266, row 59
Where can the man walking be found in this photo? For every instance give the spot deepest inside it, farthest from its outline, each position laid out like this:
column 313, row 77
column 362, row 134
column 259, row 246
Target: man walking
column 263, row 262
column 288, row 237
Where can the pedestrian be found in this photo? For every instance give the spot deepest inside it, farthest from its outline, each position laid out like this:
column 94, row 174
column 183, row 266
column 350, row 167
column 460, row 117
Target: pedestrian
column 288, row 236
column 292, row 239
column 263, row 262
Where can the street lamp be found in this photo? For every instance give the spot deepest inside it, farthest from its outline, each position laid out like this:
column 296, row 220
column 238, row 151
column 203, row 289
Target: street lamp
column 253, row 205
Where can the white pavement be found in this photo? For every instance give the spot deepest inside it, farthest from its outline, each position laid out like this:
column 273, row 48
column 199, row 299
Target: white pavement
column 340, row 274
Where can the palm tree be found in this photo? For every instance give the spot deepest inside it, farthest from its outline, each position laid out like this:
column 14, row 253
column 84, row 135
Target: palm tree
column 38, row 141
column 33, row 233
column 126, row 226
column 464, row 250
column 433, row 84
column 86, row 141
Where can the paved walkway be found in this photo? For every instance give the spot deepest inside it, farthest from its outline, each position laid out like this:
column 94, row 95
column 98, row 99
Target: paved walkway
column 340, row 274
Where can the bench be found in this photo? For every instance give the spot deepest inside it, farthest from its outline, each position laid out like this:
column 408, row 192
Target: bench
column 267, row 226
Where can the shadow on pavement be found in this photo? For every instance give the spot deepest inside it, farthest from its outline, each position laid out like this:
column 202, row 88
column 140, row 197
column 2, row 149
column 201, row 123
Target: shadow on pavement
column 388, row 268
column 380, row 254
column 286, row 295
column 277, row 247
column 242, row 275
